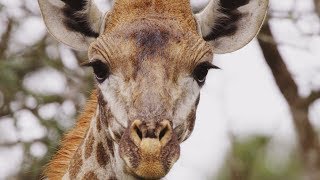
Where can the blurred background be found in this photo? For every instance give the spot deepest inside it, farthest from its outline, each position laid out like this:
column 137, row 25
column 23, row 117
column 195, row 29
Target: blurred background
column 258, row 118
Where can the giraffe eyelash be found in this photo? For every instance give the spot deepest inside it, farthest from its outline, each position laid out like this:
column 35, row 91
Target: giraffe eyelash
column 201, row 71
column 100, row 69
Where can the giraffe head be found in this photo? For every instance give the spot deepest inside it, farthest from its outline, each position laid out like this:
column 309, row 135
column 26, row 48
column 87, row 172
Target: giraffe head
column 150, row 59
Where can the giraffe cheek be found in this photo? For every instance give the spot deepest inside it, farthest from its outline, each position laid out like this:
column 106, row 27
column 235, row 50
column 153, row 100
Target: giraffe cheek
column 129, row 152
column 184, row 130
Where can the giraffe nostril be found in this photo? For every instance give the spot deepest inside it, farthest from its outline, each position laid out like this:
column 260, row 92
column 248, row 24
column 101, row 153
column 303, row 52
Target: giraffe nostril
column 163, row 133
column 138, row 131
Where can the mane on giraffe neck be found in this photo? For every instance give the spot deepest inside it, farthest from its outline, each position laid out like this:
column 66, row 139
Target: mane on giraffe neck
column 88, row 151
column 71, row 141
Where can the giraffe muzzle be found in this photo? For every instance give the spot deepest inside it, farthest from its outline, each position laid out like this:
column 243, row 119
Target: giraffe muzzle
column 150, row 150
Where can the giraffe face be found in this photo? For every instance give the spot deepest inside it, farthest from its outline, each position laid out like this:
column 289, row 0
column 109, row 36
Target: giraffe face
column 150, row 78
column 150, row 59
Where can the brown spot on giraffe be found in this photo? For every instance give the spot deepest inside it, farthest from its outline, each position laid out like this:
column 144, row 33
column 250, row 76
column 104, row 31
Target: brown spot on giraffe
column 191, row 120
column 75, row 165
column 90, row 176
column 150, row 42
column 99, row 122
column 112, row 178
column 103, row 110
column 102, row 155
column 89, row 145
column 110, row 146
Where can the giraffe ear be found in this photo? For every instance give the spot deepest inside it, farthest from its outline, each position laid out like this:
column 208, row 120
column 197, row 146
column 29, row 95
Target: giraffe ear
column 231, row 24
column 75, row 23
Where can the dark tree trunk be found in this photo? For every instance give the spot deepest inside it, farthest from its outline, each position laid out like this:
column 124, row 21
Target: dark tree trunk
column 307, row 137
column 317, row 6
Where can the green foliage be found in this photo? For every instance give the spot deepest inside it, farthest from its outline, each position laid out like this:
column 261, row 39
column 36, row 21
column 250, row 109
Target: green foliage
column 250, row 160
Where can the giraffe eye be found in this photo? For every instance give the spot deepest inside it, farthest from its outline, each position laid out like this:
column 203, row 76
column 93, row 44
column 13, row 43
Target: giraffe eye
column 201, row 71
column 100, row 69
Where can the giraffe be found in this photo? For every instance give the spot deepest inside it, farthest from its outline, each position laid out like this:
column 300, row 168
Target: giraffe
column 150, row 59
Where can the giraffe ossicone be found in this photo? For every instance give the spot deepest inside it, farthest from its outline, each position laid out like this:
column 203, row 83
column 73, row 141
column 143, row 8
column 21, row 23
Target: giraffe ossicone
column 150, row 59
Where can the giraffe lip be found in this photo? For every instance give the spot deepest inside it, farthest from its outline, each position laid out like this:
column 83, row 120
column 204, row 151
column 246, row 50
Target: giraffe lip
column 148, row 171
column 144, row 174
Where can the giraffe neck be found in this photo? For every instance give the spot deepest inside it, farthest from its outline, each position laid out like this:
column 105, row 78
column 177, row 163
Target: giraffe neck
column 97, row 157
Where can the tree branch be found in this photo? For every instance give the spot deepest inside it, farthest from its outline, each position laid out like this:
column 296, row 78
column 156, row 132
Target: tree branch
column 317, row 6
column 268, row 39
column 279, row 69
column 315, row 95
column 5, row 38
